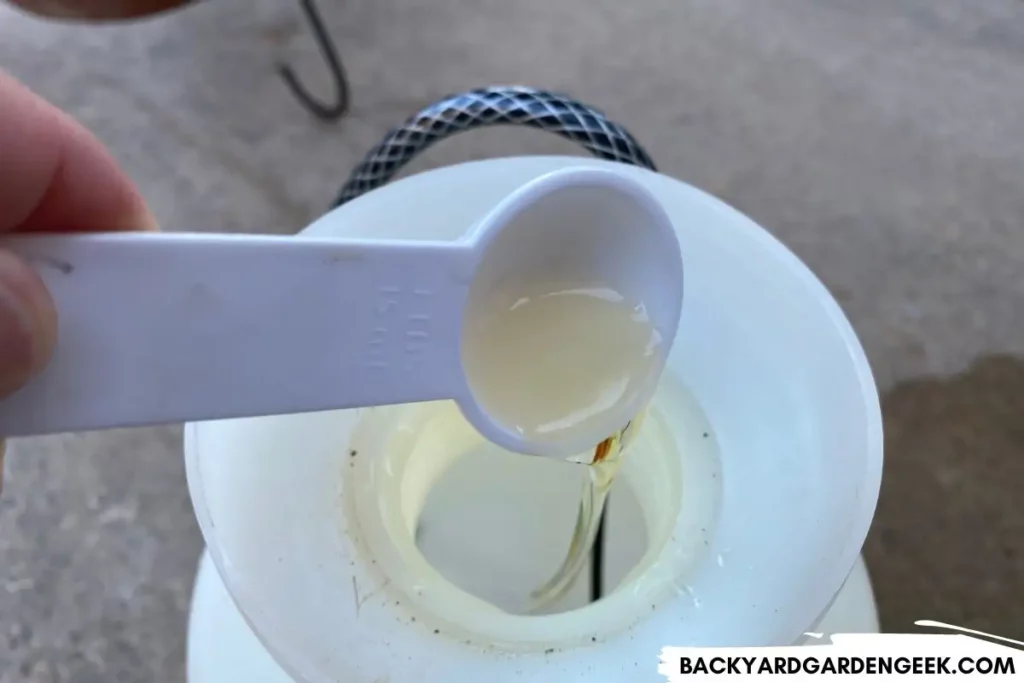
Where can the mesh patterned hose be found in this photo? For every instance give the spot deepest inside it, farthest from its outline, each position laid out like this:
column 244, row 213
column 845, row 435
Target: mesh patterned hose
column 493, row 106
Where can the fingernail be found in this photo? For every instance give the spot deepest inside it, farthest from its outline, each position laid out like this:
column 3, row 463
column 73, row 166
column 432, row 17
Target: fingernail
column 27, row 323
column 141, row 220
column 144, row 220
column 148, row 223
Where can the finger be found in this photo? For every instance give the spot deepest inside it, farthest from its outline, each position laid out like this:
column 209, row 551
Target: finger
column 98, row 10
column 28, row 323
column 55, row 175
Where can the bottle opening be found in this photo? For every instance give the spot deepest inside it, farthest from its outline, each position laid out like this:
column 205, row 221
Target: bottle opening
column 466, row 531
column 498, row 525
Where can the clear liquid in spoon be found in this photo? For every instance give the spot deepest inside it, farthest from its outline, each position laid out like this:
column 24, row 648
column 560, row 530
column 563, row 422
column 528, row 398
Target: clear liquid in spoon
column 556, row 363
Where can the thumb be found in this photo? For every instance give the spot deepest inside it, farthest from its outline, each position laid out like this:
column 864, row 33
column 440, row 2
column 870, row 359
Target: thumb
column 28, row 323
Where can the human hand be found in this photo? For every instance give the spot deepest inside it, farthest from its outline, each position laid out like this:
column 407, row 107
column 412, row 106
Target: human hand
column 55, row 176
column 97, row 10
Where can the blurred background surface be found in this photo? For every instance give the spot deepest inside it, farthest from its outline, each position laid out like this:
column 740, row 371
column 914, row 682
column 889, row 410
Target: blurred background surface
column 882, row 141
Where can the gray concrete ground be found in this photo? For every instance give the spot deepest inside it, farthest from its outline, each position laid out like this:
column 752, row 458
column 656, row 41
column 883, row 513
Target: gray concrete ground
column 883, row 141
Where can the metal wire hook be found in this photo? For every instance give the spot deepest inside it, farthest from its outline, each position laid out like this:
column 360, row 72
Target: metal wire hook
column 325, row 112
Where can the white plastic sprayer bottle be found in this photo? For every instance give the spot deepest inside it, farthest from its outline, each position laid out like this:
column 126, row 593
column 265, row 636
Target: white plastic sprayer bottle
column 749, row 493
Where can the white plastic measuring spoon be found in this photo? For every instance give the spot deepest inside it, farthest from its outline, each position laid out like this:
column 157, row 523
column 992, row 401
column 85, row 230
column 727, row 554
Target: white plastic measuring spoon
column 162, row 328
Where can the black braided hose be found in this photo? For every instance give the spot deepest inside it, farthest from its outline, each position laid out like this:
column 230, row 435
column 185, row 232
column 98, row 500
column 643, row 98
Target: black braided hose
column 493, row 106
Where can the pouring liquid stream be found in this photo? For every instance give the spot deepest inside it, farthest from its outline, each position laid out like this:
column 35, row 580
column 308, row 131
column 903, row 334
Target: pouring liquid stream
column 602, row 470
column 557, row 361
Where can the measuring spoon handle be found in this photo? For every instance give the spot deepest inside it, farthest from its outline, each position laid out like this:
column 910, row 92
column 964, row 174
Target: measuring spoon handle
column 162, row 328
